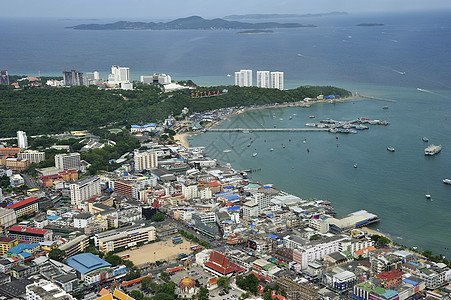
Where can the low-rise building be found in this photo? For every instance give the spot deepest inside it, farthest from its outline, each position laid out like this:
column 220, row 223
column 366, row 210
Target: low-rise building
column 25, row 207
column 30, row 234
column 46, row 290
column 32, row 155
column 75, row 246
column 126, row 236
column 6, row 243
column 7, row 217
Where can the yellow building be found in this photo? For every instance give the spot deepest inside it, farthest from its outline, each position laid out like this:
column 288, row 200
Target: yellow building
column 6, row 243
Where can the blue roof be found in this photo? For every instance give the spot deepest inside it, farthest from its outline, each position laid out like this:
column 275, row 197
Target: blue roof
column 273, row 236
column 86, row 262
column 389, row 294
column 270, row 215
column 144, row 126
column 21, row 247
column 233, row 208
column 222, row 193
column 266, row 187
column 53, row 218
column 228, row 187
column 231, row 197
column 410, row 281
column 25, row 254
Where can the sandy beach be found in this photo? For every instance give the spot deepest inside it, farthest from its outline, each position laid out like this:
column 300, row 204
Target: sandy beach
column 182, row 139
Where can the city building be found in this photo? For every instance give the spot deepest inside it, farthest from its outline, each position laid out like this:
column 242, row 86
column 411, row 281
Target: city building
column 69, row 161
column 84, row 189
column 9, row 151
column 75, row 246
column 156, row 79
column 6, row 243
column 119, row 75
column 243, row 78
column 4, row 77
column 30, row 234
column 125, row 236
column 263, row 79
column 33, row 156
column 145, row 160
column 22, row 140
column 277, row 80
column 72, row 78
column 24, row 207
column 148, row 127
column 7, row 216
column 16, row 164
column 86, row 265
column 219, row 265
column 46, row 290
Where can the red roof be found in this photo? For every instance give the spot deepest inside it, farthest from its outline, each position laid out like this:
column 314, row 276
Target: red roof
column 220, row 263
column 22, row 203
column 33, row 230
column 213, row 184
column 390, row 275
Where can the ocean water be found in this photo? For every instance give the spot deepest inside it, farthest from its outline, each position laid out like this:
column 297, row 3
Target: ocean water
column 371, row 60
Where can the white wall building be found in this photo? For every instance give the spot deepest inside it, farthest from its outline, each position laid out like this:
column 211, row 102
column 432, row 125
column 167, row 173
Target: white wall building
column 145, row 160
column 84, row 189
column 190, row 191
column 277, row 80
column 250, row 210
column 263, row 79
column 45, row 290
column 33, row 156
column 243, row 78
column 263, row 200
column 119, row 75
column 69, row 161
column 22, row 140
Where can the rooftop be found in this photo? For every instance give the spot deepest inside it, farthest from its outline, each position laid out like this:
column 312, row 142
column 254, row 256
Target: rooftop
column 86, row 262
column 22, row 203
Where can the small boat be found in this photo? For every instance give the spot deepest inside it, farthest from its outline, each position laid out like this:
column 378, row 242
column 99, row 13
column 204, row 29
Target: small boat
column 312, row 117
column 428, row 196
column 425, row 139
column 447, row 181
column 432, row 150
column 355, row 166
column 275, row 126
column 248, row 145
column 305, row 141
column 391, row 149
column 255, row 154
column 272, row 149
column 308, row 150
column 228, row 75
column 290, row 117
column 284, row 146
column 384, row 107
column 227, row 151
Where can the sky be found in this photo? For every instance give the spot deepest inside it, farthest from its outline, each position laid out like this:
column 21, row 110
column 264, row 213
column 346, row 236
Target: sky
column 152, row 9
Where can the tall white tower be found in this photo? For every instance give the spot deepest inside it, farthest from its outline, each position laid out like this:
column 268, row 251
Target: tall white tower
column 263, row 79
column 22, row 140
column 277, row 80
column 119, row 75
column 243, row 78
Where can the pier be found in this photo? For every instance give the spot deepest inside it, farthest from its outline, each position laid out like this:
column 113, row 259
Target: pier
column 246, row 130
column 375, row 98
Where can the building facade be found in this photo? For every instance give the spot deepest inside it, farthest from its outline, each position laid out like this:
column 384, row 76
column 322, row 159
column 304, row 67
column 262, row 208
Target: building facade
column 32, row 156
column 30, row 234
column 263, row 79
column 243, row 78
column 7, row 217
column 22, row 140
column 69, row 161
column 72, row 78
column 277, row 80
column 84, row 189
column 127, row 236
column 146, row 160
column 25, row 207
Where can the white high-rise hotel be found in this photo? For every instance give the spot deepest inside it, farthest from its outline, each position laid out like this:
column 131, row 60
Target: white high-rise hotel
column 277, row 80
column 22, row 140
column 243, row 78
column 263, row 79
column 145, row 160
column 119, row 75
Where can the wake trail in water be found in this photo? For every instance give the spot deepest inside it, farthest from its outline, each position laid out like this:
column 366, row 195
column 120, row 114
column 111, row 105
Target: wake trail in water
column 429, row 92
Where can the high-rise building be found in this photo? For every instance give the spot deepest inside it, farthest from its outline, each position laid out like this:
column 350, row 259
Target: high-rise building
column 22, row 140
column 69, row 161
column 145, row 160
column 72, row 77
column 263, row 79
column 277, row 80
column 119, row 75
column 243, row 78
column 84, row 189
column 4, row 77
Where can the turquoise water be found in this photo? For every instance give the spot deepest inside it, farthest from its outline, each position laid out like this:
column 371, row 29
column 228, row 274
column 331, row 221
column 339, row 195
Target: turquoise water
column 391, row 185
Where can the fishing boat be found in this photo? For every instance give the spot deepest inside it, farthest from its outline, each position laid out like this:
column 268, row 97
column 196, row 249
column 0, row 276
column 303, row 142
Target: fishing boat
column 290, row 117
column 447, row 181
column 308, row 150
column 425, row 139
column 255, row 154
column 391, row 149
column 432, row 150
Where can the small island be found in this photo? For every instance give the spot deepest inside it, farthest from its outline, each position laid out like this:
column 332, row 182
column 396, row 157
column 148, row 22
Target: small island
column 370, row 24
column 255, row 31
column 193, row 22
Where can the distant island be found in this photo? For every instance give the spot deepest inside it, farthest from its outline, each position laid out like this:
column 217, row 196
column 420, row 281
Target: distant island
column 370, row 24
column 255, row 31
column 193, row 22
column 281, row 16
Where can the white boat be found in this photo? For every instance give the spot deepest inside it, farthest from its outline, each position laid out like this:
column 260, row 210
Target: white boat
column 428, row 196
column 227, row 151
column 447, row 181
column 255, row 154
column 391, row 149
column 228, row 75
column 272, row 149
column 432, row 150
column 355, row 166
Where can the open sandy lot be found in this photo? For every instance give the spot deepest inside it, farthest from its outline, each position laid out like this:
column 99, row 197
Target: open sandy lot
column 164, row 250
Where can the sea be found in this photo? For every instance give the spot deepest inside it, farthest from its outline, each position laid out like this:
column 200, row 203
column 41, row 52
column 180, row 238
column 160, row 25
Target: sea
column 407, row 60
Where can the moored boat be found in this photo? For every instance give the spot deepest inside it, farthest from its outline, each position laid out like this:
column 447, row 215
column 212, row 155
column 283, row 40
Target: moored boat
column 427, row 196
column 432, row 150
column 425, row 139
column 447, row 181
column 391, row 149
column 312, row 117
column 255, row 154
column 355, row 166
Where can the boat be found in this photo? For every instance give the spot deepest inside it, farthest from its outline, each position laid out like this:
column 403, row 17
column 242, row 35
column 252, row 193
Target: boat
column 425, row 139
column 428, row 196
column 447, row 181
column 308, row 150
column 391, row 149
column 255, row 154
column 228, row 75
column 227, row 151
column 432, row 150
column 384, row 107
column 312, row 117
column 290, row 117
column 272, row 149
column 355, row 166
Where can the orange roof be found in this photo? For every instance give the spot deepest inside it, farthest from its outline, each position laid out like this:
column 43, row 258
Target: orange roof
column 213, row 184
column 104, row 292
column 32, row 78
column 14, row 83
column 105, row 297
column 213, row 281
column 367, row 249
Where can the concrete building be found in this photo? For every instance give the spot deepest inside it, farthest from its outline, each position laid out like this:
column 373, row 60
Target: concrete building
column 119, row 75
column 32, row 155
column 30, row 234
column 69, row 161
column 126, row 236
column 243, row 78
column 250, row 210
column 277, row 80
column 263, row 79
column 84, row 189
column 72, row 78
column 7, row 217
column 190, row 191
column 16, row 164
column 146, row 160
column 24, row 207
column 46, row 290
column 6, row 243
column 75, row 246
column 156, row 79
column 22, row 140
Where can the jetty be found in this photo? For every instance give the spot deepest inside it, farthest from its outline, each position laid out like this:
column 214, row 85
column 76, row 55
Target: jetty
column 246, row 130
column 374, row 98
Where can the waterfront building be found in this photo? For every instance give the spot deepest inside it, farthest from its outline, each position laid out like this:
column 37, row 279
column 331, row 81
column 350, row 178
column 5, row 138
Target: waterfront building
column 84, row 189
column 69, row 161
column 151, row 127
column 32, row 155
column 7, row 217
column 243, row 78
column 156, row 79
column 277, row 80
column 72, row 78
column 119, row 75
column 30, row 234
column 263, row 79
column 22, row 140
column 43, row 289
column 25, row 207
column 145, row 160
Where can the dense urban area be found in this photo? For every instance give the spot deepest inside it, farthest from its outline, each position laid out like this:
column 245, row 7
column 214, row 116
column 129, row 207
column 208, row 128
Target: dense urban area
column 98, row 203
